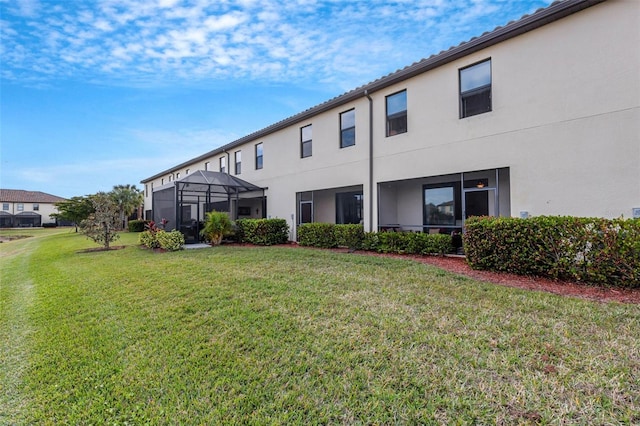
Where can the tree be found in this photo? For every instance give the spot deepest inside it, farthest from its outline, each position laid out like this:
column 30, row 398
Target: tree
column 75, row 210
column 128, row 198
column 216, row 226
column 100, row 226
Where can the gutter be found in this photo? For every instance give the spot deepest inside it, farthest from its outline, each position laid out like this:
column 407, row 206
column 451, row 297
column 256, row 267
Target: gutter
column 370, row 197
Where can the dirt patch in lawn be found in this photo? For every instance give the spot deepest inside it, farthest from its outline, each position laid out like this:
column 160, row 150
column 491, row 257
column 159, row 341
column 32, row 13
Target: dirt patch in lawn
column 98, row 249
column 8, row 238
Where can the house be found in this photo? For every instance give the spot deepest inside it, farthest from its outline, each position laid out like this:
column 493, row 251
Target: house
column 26, row 208
column 538, row 117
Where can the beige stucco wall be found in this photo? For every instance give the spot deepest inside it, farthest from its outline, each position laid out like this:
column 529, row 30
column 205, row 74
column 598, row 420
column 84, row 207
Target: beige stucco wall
column 565, row 121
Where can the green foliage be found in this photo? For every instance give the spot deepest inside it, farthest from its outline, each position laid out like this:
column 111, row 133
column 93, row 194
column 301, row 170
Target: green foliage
column 263, row 232
column 170, row 241
column 149, row 239
column 600, row 251
column 128, row 198
column 317, row 234
column 74, row 210
column 137, row 225
column 408, row 243
column 101, row 225
column 216, row 226
column 350, row 236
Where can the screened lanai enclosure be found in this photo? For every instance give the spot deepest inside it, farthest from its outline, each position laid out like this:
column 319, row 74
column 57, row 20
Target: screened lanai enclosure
column 184, row 203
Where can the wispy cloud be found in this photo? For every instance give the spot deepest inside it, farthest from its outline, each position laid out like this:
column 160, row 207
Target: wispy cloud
column 169, row 41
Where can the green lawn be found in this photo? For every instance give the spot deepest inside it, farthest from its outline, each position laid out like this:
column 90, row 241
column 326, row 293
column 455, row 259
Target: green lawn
column 296, row 336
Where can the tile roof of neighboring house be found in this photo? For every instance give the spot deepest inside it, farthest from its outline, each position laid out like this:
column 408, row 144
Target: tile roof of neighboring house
column 20, row 196
column 543, row 16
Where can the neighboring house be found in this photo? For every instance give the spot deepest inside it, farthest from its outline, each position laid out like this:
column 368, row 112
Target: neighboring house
column 538, row 117
column 26, row 208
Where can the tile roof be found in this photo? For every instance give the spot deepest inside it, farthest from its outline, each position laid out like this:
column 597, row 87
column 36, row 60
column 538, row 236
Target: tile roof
column 20, row 196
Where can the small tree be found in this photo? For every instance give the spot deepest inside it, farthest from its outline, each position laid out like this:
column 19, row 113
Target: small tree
column 128, row 198
column 100, row 226
column 75, row 210
column 216, row 226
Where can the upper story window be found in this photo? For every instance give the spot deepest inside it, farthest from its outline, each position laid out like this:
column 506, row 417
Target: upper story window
column 306, row 137
column 223, row 164
column 206, row 166
column 36, row 207
column 170, row 178
column 397, row 113
column 146, row 190
column 475, row 89
column 348, row 128
column 238, row 160
column 5, row 206
column 20, row 207
column 186, row 172
column 259, row 156
column 162, row 181
column 178, row 175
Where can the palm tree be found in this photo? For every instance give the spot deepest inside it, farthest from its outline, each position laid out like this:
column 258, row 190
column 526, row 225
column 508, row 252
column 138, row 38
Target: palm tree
column 128, row 198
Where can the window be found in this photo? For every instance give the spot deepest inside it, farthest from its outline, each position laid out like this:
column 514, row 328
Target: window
column 146, row 190
column 206, row 166
column 305, row 207
column 475, row 89
column 442, row 204
column 348, row 128
column 259, row 156
column 178, row 175
column 186, row 172
column 223, row 164
column 20, row 207
column 5, row 206
column 397, row 113
column 238, row 160
column 306, row 136
column 162, row 181
column 170, row 178
column 349, row 207
column 36, row 207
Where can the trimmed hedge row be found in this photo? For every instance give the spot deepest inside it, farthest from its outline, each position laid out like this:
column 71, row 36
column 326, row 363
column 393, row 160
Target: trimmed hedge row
column 137, row 225
column 263, row 232
column 327, row 235
column 598, row 251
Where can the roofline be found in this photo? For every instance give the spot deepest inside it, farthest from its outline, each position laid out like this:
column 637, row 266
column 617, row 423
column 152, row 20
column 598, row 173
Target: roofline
column 539, row 18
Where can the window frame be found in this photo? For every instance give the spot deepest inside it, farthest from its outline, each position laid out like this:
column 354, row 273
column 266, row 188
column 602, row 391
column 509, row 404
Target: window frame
column 396, row 115
column 36, row 207
column 206, row 166
column 478, row 90
column 237, row 157
column 259, row 158
column 343, row 129
column 304, row 143
column 223, row 164
column 20, row 207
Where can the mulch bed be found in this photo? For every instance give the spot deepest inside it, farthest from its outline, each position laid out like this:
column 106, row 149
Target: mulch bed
column 459, row 265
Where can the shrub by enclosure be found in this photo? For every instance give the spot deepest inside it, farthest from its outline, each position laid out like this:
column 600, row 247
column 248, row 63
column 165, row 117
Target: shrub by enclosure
column 599, row 251
column 137, row 225
column 327, row 235
column 262, row 232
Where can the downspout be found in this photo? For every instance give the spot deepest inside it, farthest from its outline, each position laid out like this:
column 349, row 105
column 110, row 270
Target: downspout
column 370, row 197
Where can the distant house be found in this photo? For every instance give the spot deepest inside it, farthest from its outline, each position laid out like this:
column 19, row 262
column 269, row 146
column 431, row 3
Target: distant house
column 538, row 117
column 26, row 208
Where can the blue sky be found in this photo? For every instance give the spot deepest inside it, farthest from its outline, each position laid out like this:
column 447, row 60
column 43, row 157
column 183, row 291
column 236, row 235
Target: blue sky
column 96, row 93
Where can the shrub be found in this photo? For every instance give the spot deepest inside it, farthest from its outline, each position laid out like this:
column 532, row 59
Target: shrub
column 263, row 232
column 149, row 239
column 136, row 225
column 350, row 236
column 216, row 226
column 170, row 241
column 317, row 234
column 50, row 225
column 593, row 250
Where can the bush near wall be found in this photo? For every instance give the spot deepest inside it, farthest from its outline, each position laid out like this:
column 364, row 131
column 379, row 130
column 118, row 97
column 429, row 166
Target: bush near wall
column 263, row 232
column 137, row 225
column 408, row 243
column 158, row 238
column 327, row 235
column 593, row 250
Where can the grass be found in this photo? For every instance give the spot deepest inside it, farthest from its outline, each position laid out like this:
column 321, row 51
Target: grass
column 239, row 335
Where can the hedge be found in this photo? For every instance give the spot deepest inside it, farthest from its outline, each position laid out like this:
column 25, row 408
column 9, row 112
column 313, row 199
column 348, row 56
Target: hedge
column 137, row 225
column 592, row 250
column 263, row 232
column 327, row 235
